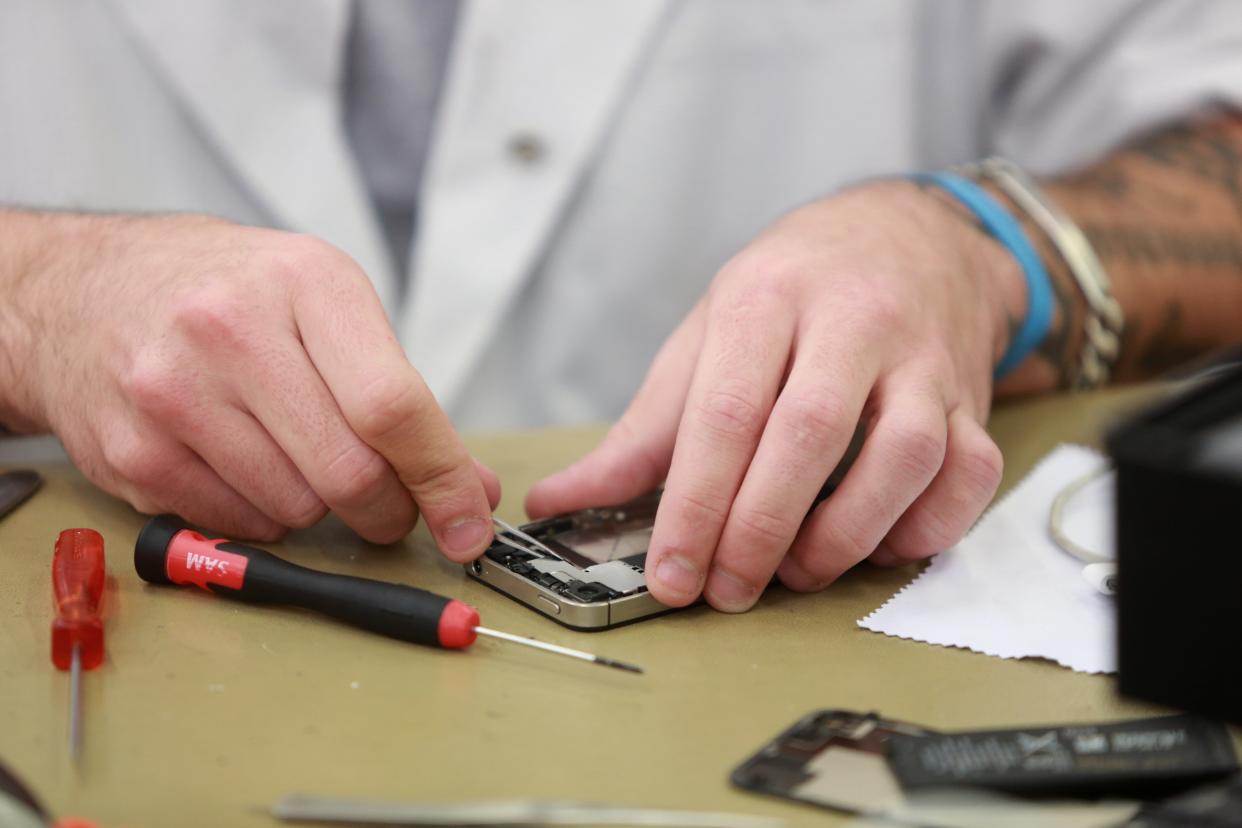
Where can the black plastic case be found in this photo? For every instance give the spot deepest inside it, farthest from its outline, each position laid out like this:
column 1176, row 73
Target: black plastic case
column 1179, row 549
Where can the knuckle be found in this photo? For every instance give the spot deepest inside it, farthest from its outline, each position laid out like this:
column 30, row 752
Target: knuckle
column 767, row 528
column 156, row 389
column 387, row 404
column 918, row 452
column 982, row 465
column 815, row 417
column 300, row 509
column 843, row 539
column 927, row 535
column 730, row 411
column 135, row 460
column 263, row 531
column 769, row 267
column 298, row 256
column 143, row 504
column 753, row 287
column 877, row 316
column 354, row 476
column 775, row 281
column 214, row 314
column 700, row 509
column 813, row 570
column 436, row 479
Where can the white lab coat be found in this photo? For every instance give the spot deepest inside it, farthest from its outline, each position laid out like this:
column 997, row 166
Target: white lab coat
column 594, row 162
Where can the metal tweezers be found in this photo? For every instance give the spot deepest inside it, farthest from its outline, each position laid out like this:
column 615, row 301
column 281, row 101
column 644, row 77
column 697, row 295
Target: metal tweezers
column 519, row 812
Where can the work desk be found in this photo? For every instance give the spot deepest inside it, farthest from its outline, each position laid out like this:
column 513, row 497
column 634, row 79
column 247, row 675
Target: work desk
column 207, row 711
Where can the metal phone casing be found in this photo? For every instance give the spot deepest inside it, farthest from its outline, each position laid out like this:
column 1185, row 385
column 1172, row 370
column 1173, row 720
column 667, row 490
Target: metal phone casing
column 598, row 615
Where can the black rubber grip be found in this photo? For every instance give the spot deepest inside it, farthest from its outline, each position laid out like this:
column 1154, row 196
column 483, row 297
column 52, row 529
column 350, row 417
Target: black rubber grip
column 395, row 610
column 151, row 548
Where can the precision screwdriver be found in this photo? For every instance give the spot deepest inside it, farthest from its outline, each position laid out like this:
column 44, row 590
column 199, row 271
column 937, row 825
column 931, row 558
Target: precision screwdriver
column 171, row 552
column 77, row 631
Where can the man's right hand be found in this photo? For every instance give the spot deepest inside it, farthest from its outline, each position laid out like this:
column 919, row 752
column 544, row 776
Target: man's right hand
column 245, row 379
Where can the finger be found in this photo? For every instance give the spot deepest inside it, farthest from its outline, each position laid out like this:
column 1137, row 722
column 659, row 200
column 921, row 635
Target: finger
column 745, row 351
column 491, row 483
column 296, row 408
column 808, row 432
column 899, row 458
column 387, row 404
column 634, row 456
column 161, row 475
column 244, row 455
column 954, row 500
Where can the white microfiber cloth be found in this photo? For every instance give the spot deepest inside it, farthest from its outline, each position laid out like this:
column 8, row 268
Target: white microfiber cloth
column 1007, row 590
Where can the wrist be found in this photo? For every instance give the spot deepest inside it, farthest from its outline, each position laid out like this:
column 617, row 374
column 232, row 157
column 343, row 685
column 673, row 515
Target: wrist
column 1006, row 270
column 1053, row 365
column 997, row 274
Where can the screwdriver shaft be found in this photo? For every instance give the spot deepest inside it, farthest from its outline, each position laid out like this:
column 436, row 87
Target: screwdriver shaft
column 75, row 702
column 559, row 650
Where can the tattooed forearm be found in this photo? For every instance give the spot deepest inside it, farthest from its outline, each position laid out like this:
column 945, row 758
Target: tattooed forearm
column 1212, row 155
column 1170, row 344
column 1165, row 218
column 1217, row 252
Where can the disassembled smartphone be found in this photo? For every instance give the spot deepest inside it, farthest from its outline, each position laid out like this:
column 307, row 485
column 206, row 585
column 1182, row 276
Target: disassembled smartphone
column 831, row 758
column 858, row 762
column 583, row 569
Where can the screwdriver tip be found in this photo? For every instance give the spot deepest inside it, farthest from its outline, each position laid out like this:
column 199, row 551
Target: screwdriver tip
column 618, row 665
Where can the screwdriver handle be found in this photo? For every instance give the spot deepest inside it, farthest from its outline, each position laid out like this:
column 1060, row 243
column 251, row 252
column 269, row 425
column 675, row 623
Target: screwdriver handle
column 171, row 552
column 77, row 587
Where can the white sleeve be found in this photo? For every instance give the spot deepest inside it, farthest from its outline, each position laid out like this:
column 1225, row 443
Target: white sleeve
column 1069, row 80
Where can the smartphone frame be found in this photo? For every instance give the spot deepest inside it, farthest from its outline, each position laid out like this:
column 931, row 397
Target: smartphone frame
column 562, row 608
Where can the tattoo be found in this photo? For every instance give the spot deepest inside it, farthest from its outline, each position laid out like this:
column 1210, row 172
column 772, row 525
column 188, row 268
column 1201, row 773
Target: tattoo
column 1171, row 344
column 1140, row 245
column 1165, row 216
column 1108, row 181
column 1208, row 154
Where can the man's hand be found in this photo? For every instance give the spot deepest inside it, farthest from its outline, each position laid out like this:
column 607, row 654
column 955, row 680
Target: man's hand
column 882, row 305
column 245, row 379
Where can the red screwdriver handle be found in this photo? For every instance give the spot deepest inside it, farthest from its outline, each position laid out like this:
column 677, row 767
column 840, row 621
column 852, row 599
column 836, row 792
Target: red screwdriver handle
column 77, row 586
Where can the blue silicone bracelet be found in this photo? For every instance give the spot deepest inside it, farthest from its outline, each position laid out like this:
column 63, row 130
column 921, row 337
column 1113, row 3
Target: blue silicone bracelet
column 1006, row 230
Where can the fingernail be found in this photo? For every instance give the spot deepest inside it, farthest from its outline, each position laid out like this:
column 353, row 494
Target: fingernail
column 729, row 593
column 465, row 535
column 679, row 575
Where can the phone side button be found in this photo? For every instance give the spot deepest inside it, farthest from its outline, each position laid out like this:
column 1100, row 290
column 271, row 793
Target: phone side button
column 548, row 605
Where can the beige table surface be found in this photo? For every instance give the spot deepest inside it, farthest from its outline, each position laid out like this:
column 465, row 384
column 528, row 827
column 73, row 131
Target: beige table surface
column 207, row 711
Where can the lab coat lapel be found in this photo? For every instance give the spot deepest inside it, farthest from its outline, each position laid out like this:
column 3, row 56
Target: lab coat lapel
column 531, row 90
column 263, row 80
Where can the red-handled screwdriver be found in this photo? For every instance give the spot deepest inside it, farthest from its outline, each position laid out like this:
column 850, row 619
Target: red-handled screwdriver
column 77, row 632
column 170, row 551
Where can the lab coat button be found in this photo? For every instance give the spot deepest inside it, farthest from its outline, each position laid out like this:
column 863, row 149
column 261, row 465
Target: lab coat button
column 526, row 148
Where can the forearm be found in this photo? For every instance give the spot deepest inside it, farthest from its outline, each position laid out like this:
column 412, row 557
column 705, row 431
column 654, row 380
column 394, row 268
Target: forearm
column 1165, row 218
column 34, row 248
